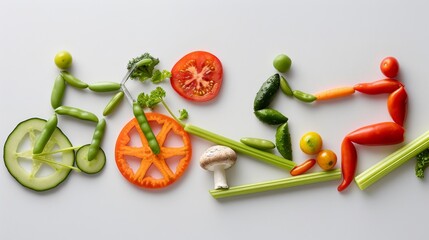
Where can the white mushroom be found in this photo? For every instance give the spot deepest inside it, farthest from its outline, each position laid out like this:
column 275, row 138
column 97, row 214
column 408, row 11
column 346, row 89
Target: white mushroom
column 217, row 159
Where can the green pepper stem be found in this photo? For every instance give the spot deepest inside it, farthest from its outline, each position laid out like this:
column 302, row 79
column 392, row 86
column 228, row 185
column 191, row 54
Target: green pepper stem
column 300, row 180
column 171, row 113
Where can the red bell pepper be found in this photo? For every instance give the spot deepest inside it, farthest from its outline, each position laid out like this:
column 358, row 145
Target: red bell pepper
column 378, row 87
column 303, row 167
column 385, row 133
column 397, row 105
column 348, row 163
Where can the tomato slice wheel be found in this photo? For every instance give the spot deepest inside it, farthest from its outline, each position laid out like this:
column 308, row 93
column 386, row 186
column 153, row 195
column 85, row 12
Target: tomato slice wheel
column 142, row 175
column 197, row 76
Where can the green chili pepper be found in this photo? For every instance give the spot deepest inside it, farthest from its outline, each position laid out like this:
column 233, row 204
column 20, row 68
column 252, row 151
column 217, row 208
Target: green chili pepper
column 94, row 147
column 145, row 127
column 104, row 86
column 58, row 92
column 73, row 81
column 284, row 86
column 113, row 103
column 77, row 113
column 45, row 135
column 305, row 97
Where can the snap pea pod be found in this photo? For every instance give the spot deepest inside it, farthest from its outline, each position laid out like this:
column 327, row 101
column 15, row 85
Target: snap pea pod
column 58, row 92
column 113, row 103
column 94, row 147
column 285, row 87
column 258, row 143
column 77, row 113
column 104, row 86
column 145, row 127
column 45, row 135
column 305, row 97
column 73, row 81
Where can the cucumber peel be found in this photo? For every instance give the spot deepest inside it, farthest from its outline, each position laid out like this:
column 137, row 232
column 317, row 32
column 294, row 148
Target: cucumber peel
column 90, row 166
column 61, row 163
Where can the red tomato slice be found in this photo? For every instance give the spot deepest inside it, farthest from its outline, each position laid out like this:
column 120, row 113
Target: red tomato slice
column 197, row 76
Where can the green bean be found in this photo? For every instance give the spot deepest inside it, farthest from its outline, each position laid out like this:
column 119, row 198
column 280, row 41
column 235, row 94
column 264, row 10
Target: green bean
column 96, row 139
column 258, row 143
column 305, row 97
column 284, row 86
column 73, row 81
column 104, row 86
column 146, row 129
column 45, row 135
column 113, row 103
column 58, row 92
column 77, row 113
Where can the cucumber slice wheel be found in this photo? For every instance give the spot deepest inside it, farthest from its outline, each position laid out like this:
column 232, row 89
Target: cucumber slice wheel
column 43, row 171
column 90, row 167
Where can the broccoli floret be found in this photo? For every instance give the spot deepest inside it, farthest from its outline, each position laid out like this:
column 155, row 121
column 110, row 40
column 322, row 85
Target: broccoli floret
column 154, row 98
column 147, row 71
column 422, row 162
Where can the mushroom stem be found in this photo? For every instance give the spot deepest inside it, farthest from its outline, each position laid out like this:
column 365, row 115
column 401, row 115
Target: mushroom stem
column 220, row 178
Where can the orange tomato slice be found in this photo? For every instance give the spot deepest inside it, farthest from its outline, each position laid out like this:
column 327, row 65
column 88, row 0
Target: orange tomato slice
column 139, row 155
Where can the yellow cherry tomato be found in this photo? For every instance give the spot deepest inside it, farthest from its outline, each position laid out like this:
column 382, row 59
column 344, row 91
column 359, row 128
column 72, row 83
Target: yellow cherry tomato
column 63, row 59
column 311, row 143
column 326, row 159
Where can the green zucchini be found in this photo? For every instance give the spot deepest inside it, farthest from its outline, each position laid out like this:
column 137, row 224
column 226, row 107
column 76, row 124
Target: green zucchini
column 90, row 167
column 16, row 152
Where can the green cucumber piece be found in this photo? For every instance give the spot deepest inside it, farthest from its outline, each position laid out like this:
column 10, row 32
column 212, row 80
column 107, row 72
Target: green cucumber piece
column 90, row 167
column 14, row 153
column 283, row 141
column 270, row 116
column 266, row 93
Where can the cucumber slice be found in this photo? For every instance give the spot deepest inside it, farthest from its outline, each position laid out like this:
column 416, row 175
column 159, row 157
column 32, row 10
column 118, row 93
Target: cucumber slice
column 90, row 167
column 18, row 152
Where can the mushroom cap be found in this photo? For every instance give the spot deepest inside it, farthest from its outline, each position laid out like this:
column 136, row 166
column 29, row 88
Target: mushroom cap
column 218, row 156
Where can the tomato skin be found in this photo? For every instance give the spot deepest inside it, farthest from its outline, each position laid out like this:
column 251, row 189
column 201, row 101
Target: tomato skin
column 326, row 159
column 311, row 143
column 197, row 76
column 389, row 67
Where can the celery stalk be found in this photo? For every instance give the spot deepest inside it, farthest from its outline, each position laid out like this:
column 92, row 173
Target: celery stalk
column 240, row 147
column 303, row 179
column 393, row 161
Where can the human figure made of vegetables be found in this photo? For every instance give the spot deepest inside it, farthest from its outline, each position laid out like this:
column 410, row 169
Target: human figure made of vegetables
column 383, row 133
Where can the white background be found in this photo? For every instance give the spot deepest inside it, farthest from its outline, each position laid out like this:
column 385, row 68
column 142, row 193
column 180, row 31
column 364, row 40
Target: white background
column 331, row 43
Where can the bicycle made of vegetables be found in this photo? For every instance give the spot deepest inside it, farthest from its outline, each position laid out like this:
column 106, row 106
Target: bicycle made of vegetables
column 42, row 145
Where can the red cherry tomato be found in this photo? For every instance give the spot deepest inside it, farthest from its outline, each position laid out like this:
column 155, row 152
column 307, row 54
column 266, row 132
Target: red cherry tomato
column 197, row 76
column 389, row 67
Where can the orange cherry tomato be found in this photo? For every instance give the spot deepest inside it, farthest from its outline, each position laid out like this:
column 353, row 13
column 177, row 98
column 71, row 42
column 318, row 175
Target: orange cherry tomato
column 129, row 152
column 197, row 76
column 389, row 67
column 326, row 159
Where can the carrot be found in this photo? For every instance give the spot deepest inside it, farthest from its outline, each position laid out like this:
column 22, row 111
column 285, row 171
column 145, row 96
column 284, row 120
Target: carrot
column 334, row 93
column 143, row 176
column 303, row 167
